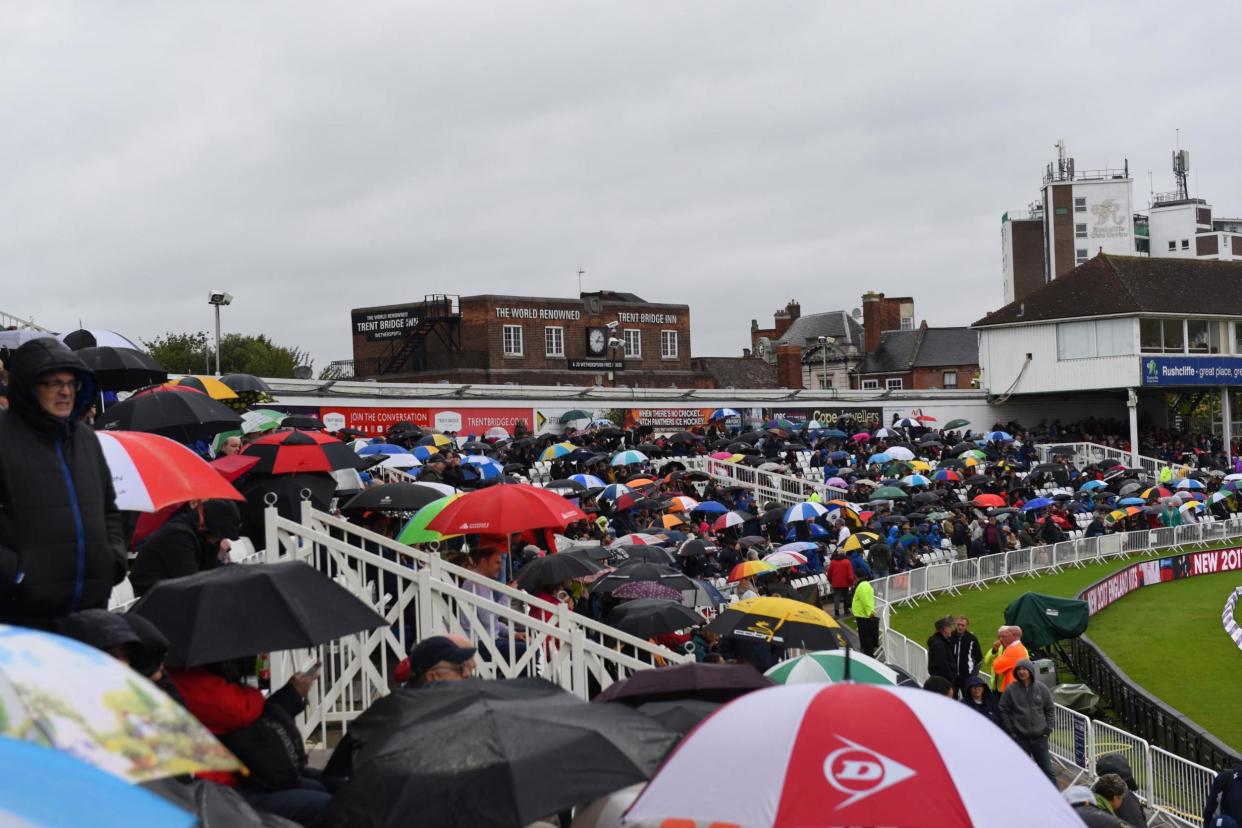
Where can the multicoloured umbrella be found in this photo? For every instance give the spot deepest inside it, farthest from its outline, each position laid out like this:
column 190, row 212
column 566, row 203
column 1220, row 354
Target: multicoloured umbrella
column 630, row 457
column 749, row 569
column 731, row 520
column 293, row 452
column 723, row 414
column 613, row 491
column 63, row 694
column 784, row 559
column 636, row 539
column 262, row 419
column 901, row 756
column 804, row 511
column 210, row 386
column 556, row 450
column 150, row 472
column 916, row 480
column 1155, row 491
column 588, row 481
column 437, row 440
column 416, row 532
column 781, row 621
column 485, row 467
column 946, row 476
column 859, row 541
column 1189, row 483
column 829, row 667
column 681, row 503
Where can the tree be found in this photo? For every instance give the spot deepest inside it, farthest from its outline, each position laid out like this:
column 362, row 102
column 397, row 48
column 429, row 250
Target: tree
column 194, row 353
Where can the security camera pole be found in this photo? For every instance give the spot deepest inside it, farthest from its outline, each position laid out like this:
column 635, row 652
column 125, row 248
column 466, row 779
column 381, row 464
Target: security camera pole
column 218, row 298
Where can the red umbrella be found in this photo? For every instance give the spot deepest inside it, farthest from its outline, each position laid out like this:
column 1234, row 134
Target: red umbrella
column 230, row 468
column 233, row 466
column 295, row 452
column 150, row 472
column 989, row 500
column 503, row 510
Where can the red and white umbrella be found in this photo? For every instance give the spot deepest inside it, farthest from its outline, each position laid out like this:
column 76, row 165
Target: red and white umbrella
column 729, row 520
column 150, row 472
column 810, row 756
column 636, row 539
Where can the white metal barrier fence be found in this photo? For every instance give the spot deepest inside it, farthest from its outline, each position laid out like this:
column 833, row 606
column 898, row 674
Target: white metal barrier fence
column 1084, row 454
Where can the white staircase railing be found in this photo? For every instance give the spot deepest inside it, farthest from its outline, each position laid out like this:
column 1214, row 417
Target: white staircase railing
column 768, row 486
column 1084, row 454
column 420, row 595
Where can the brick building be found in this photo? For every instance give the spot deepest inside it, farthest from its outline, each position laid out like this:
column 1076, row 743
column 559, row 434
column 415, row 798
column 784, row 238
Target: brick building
column 602, row 338
column 922, row 358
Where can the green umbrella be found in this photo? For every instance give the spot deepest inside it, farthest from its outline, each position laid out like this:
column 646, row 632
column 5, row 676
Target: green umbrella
column 416, row 530
column 828, row 667
column 975, row 453
column 888, row 493
column 897, row 468
column 952, row 424
column 261, row 420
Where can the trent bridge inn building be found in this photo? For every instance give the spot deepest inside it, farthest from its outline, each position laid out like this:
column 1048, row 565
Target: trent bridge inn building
column 1163, row 334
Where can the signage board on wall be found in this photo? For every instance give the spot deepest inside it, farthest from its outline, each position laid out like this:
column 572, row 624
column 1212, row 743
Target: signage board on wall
column 376, row 421
column 596, row 365
column 1146, row 573
column 1191, row 370
column 828, row 416
column 387, row 324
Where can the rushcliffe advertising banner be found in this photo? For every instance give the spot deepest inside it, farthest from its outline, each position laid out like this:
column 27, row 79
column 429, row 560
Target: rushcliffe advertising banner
column 1191, row 370
column 1147, row 573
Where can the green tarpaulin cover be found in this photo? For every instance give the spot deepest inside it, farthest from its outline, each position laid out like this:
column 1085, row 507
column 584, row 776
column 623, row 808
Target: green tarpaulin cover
column 1046, row 619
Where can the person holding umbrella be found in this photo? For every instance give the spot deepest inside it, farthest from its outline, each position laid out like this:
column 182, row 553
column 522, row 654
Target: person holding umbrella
column 195, row 539
column 62, row 545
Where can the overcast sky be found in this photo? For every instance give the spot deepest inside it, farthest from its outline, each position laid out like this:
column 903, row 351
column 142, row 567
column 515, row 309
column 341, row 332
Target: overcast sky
column 313, row 157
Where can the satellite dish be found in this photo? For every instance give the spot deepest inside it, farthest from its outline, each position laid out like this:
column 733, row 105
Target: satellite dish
column 303, row 372
column 856, row 313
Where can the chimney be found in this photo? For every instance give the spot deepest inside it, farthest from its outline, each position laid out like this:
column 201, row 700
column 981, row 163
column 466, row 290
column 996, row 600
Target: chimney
column 789, row 366
column 746, row 353
column 872, row 324
column 780, row 323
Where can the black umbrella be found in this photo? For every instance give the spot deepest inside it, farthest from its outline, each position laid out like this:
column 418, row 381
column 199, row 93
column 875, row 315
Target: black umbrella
column 499, row 764
column 393, row 497
column 684, row 437
column 963, row 446
column 185, row 416
column 246, row 384
column 300, row 421
column 752, row 540
column 776, row 515
column 241, row 610
column 694, row 548
column 289, row 490
column 681, row 715
column 638, row 552
column 706, row 682
column 594, row 554
column 122, row 369
column 649, row 617
column 554, row 569
column 643, row 571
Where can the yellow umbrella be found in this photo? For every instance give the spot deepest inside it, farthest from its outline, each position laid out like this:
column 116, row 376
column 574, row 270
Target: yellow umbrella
column 921, row 466
column 437, row 440
column 780, row 620
column 210, row 386
column 859, row 541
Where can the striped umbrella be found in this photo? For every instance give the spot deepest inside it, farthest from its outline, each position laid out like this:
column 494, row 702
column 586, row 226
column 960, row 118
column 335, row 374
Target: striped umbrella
column 947, row 476
column 613, row 491
column 783, row 559
column 636, row 539
column 485, row 467
column 804, row 511
column 829, row 667
column 915, row 480
column 723, row 414
column 557, row 450
column 588, row 481
column 859, row 541
column 630, row 457
column 849, row 754
column 150, row 472
column 1189, row 483
column 749, row 569
column 731, row 519
column 681, row 503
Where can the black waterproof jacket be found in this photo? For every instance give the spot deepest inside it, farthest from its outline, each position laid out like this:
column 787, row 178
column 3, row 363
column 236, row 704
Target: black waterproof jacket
column 61, row 543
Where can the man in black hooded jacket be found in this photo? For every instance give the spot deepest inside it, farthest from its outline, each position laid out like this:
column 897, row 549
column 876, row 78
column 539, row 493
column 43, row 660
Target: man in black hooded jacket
column 61, row 541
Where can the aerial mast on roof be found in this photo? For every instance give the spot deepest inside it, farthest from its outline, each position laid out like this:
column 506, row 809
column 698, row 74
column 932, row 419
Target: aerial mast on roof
column 1181, row 171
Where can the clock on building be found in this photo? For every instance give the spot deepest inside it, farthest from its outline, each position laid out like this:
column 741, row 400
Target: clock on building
column 596, row 341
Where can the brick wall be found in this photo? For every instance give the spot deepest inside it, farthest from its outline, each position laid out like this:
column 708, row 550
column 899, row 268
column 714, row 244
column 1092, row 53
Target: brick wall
column 924, row 378
column 789, row 366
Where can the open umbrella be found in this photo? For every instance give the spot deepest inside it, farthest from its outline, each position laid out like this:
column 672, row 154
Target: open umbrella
column 679, row 715
column 781, row 621
column 730, row 520
column 556, row 450
column 533, row 758
column 784, row 559
column 955, row 424
column 44, row 787
column 294, row 451
column 209, row 385
column 416, row 531
column 645, row 589
column 629, row 457
column 888, row 493
column 830, row 667
column 122, row 369
column 96, row 338
column 643, row 571
column 554, row 569
column 150, row 472
column 723, row 414
column 709, row 682
column 185, row 417
column 503, row 510
column 859, row 541
column 749, row 569
column 393, row 497
column 649, row 617
column 243, row 610
column 66, row 695
column 804, row 511
column 262, row 419
column 901, row 756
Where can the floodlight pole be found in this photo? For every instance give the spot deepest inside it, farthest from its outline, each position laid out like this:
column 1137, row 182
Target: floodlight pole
column 217, row 339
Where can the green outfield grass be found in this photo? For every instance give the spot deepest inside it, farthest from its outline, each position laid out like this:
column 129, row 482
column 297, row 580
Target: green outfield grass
column 1169, row 640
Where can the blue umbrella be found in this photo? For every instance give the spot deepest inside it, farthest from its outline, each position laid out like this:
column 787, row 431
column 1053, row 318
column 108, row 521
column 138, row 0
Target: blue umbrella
column 44, row 787
column 1000, row 437
column 1036, row 503
column 1189, row 483
column 723, row 413
column 881, row 457
column 804, row 511
column 711, row 507
column 835, row 433
column 817, row 531
column 1131, row 501
column 615, row 490
column 630, row 457
column 1092, row 485
column 423, row 452
column 383, row 448
column 590, row 481
column 485, row 467
column 798, row 546
column 838, row 455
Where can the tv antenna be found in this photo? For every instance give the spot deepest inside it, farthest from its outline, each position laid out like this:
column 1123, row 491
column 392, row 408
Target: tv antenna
column 581, row 273
column 1181, row 172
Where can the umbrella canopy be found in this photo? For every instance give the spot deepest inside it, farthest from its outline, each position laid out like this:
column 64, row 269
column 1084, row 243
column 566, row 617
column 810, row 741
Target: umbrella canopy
column 294, row 452
column 902, row 756
column 859, row 541
column 393, row 497
column 804, row 511
column 680, row 715
column 416, row 531
column 781, row 621
column 636, row 539
column 900, row 453
column 554, row 569
column 749, row 569
column 45, row 787
column 246, row 384
column 646, row 589
column 66, row 695
column 210, row 386
column 643, row 571
column 649, row 617
column 185, row 417
column 830, row 667
column 986, row 500
column 953, row 424
column 211, row 803
column 786, row 558
column 231, row 466
column 723, row 414
column 503, row 510
column 888, row 493
column 533, row 757
column 150, row 472
column 730, row 520
column 556, row 450
column 588, row 481
column 707, row 682
column 628, row 458
column 122, row 369
column 261, row 419
column 243, row 610
column 96, row 338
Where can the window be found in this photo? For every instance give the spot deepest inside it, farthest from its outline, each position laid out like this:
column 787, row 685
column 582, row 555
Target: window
column 1237, row 337
column 1174, row 336
column 950, row 379
column 668, row 344
column 1080, row 255
column 511, row 338
column 1080, row 205
column 1095, row 338
column 907, row 323
column 633, row 339
column 1197, row 336
column 1151, row 338
column 893, row 383
column 825, row 381
column 554, row 341
column 871, row 385
column 1080, row 231
column 1185, row 244
column 1172, row 246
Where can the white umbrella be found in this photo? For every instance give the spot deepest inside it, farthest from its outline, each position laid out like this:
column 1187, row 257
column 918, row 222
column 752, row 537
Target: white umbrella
column 899, row 453
column 400, row 461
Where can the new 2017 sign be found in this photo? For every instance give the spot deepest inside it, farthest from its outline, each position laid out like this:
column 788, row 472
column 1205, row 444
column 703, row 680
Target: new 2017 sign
column 1191, row 370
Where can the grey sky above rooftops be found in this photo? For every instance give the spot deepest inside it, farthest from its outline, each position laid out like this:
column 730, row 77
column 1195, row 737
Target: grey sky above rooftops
column 313, row 157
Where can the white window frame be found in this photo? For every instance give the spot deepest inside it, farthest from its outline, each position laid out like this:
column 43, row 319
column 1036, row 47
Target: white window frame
column 871, row 385
column 907, row 323
column 893, row 384
column 945, row 379
column 554, row 341
column 1080, row 231
column 668, row 338
column 510, row 336
column 1185, row 244
column 1172, row 245
column 1080, row 204
column 1080, row 255
column 632, row 337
